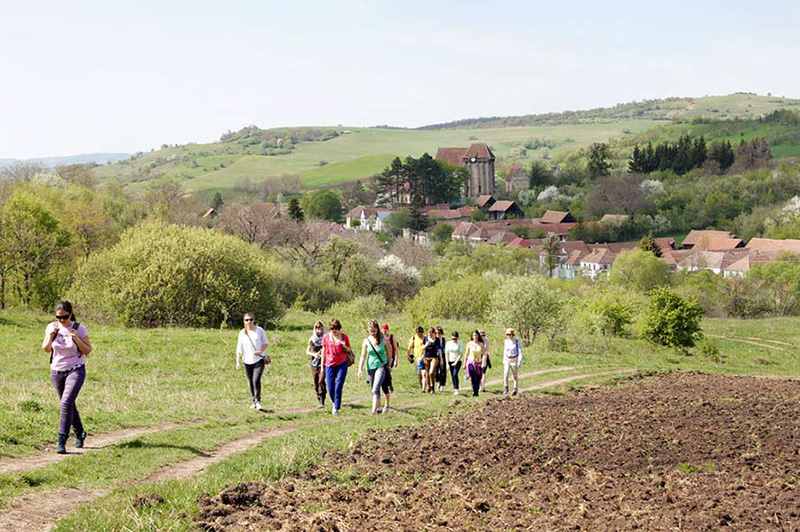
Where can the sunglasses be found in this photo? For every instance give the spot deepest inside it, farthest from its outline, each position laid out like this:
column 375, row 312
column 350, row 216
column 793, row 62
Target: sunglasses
column 62, row 318
column 248, row 319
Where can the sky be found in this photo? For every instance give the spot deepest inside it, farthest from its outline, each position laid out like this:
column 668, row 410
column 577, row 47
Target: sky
column 86, row 77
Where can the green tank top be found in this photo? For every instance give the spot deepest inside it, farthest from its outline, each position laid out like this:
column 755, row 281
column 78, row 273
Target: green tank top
column 374, row 361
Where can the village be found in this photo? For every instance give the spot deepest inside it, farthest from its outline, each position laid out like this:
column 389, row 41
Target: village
column 720, row 252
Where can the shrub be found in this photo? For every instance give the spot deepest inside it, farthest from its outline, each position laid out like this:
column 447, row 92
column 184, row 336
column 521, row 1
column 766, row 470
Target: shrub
column 466, row 298
column 355, row 313
column 671, row 320
column 609, row 312
column 162, row 274
column 709, row 349
column 529, row 304
column 640, row 269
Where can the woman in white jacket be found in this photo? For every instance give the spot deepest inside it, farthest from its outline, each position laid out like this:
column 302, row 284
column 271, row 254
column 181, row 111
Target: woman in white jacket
column 250, row 349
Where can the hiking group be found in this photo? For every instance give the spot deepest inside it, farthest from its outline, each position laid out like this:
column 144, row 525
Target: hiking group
column 330, row 354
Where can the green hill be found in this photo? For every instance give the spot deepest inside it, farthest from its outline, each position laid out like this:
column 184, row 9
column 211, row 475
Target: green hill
column 326, row 156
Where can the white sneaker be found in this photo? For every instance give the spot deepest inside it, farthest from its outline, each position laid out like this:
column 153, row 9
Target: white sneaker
column 257, row 406
column 335, row 413
column 455, row 392
column 253, row 406
column 385, row 409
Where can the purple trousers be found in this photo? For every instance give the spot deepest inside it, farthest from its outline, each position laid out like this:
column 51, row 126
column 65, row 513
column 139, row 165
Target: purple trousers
column 68, row 385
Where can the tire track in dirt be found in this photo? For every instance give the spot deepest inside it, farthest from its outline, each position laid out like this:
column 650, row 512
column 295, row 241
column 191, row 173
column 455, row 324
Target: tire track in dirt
column 571, row 378
column 38, row 512
column 751, row 342
column 94, row 443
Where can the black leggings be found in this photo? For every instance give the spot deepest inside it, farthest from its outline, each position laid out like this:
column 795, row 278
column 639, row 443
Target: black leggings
column 454, row 369
column 254, row 372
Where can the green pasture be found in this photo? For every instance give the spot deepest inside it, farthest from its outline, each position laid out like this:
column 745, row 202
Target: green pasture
column 147, row 377
column 358, row 154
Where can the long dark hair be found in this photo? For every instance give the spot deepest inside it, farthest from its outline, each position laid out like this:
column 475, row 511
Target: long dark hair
column 66, row 306
column 480, row 338
column 378, row 334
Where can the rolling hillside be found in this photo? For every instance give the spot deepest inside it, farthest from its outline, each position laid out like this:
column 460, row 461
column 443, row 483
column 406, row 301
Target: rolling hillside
column 330, row 156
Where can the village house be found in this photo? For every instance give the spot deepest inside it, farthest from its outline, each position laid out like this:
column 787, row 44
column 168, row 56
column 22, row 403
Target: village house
column 366, row 219
column 558, row 217
column 505, row 210
column 517, row 179
column 703, row 237
column 485, row 201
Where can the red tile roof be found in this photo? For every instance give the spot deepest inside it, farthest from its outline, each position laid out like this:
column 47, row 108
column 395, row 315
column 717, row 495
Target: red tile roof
column 695, row 236
column 772, row 244
column 450, row 214
column 557, row 217
column 482, row 200
column 480, row 151
column 503, row 206
column 452, row 156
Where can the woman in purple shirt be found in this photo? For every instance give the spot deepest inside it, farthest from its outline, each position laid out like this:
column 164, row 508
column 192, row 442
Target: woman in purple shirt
column 68, row 343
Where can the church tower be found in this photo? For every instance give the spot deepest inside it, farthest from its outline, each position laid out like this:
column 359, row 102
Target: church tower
column 479, row 161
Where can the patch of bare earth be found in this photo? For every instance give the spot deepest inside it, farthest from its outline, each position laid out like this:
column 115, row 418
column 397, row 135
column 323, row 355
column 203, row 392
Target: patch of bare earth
column 671, row 452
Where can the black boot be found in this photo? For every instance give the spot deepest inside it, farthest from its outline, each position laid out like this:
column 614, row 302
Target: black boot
column 79, row 439
column 62, row 444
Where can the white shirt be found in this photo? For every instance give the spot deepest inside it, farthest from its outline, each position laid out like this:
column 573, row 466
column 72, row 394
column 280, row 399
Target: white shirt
column 512, row 350
column 249, row 343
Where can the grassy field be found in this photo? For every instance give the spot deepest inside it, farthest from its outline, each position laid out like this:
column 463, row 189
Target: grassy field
column 359, row 154
column 146, row 377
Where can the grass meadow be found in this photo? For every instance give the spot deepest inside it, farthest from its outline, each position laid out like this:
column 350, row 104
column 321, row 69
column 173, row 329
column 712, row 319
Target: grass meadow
column 139, row 378
column 358, row 154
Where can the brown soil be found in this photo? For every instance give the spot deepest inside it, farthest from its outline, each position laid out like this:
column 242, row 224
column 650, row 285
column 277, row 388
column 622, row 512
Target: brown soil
column 671, row 452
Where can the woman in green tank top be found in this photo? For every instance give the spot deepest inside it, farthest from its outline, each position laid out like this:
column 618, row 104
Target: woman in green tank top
column 373, row 351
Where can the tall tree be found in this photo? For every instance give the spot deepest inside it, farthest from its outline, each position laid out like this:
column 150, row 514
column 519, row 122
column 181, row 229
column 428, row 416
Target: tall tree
column 296, row 211
column 599, row 164
column 323, row 205
column 552, row 247
column 648, row 243
column 539, row 176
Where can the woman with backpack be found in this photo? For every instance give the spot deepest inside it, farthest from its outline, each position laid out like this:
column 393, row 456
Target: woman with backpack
column 337, row 356
column 314, row 350
column 250, row 348
column 68, row 343
column 374, row 352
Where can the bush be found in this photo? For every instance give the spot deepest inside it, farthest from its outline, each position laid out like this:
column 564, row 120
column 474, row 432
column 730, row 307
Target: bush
column 640, row 269
column 709, row 349
column 356, row 313
column 466, row 298
column 162, row 274
column 609, row 312
column 529, row 304
column 671, row 320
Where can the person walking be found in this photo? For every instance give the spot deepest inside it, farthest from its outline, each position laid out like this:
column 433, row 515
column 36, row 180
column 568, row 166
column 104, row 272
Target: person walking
column 488, row 364
column 336, row 357
column 416, row 352
column 475, row 355
column 314, row 350
column 441, row 366
column 512, row 358
column 374, row 352
column 393, row 352
column 68, row 343
column 250, row 349
column 430, row 361
column 454, row 350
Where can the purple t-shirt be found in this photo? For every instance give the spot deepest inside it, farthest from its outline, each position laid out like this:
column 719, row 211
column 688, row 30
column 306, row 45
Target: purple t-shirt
column 65, row 351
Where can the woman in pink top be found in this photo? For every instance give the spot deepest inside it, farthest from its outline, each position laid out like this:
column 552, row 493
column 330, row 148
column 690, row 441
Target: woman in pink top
column 68, row 343
column 335, row 346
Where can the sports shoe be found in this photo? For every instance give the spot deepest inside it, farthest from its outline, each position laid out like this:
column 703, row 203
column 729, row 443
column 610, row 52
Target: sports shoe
column 455, row 392
column 505, row 391
column 386, row 409
column 514, row 392
column 257, row 406
column 335, row 413
column 253, row 406
column 378, row 411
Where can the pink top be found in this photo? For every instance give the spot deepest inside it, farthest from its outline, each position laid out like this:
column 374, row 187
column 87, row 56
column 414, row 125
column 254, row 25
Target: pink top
column 65, row 351
column 334, row 352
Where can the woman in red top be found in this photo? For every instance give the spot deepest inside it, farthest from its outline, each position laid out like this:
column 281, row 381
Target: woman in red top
column 335, row 347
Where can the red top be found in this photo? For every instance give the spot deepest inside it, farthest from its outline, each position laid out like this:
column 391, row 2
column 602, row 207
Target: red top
column 334, row 352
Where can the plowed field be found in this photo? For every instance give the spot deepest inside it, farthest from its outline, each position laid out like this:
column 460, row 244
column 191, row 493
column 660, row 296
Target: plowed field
column 667, row 452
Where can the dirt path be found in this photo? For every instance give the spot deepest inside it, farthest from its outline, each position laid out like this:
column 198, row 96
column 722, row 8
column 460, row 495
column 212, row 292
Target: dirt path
column 749, row 340
column 38, row 512
column 94, row 443
column 571, row 378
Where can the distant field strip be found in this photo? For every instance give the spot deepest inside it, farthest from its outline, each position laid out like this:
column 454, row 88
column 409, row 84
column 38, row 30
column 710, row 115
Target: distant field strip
column 750, row 340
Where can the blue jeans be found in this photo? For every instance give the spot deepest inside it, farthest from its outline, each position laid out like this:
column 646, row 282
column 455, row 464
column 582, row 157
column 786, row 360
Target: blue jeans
column 335, row 376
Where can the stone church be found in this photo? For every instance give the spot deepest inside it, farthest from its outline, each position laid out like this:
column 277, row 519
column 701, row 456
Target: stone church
column 478, row 159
